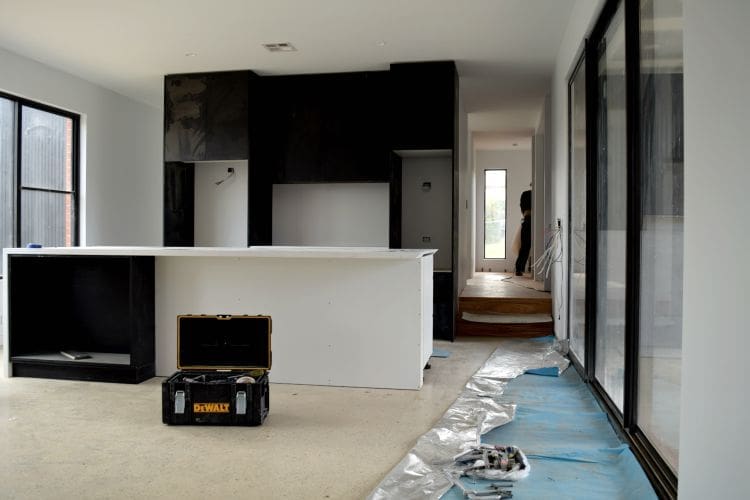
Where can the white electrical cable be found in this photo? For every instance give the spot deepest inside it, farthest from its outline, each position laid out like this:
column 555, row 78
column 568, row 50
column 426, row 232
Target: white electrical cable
column 553, row 253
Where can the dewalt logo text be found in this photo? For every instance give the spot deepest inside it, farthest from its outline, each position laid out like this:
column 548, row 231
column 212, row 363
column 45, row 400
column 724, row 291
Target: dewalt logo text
column 210, row 407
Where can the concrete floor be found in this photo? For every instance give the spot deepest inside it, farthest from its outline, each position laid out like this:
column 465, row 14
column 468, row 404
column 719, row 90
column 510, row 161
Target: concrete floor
column 64, row 439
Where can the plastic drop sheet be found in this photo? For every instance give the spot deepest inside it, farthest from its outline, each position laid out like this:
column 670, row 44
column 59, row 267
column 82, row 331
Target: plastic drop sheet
column 478, row 409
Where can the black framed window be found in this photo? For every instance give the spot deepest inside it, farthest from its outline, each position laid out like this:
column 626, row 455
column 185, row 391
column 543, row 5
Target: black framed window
column 38, row 174
column 634, row 220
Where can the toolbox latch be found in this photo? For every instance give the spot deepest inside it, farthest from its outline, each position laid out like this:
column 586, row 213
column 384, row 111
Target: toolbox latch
column 179, row 402
column 241, row 405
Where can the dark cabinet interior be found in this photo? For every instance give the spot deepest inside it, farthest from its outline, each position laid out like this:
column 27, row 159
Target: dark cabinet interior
column 423, row 102
column 103, row 306
column 179, row 204
column 205, row 116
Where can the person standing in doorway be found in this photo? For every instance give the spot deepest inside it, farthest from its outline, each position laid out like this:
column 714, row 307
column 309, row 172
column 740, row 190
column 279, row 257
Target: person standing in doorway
column 523, row 254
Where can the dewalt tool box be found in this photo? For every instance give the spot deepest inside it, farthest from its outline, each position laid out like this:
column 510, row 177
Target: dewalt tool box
column 222, row 378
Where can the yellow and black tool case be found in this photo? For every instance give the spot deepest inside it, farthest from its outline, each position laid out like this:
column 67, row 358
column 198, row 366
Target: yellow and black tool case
column 222, row 376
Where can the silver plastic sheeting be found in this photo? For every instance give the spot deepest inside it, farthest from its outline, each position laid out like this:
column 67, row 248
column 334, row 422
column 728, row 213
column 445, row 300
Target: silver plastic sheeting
column 478, row 409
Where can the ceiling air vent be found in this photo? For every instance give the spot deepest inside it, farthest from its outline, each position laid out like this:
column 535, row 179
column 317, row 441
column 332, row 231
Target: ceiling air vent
column 280, row 47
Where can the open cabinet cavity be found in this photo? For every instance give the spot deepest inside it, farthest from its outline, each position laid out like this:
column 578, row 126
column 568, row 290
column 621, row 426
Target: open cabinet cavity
column 206, row 204
column 100, row 308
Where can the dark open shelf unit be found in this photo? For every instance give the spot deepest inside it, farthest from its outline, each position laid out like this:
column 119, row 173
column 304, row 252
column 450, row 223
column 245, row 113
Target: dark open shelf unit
column 96, row 304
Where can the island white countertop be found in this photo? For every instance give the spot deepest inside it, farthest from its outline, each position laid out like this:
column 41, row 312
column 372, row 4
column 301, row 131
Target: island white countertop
column 280, row 252
column 342, row 316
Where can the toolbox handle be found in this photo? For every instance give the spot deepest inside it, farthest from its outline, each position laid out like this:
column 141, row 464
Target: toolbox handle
column 241, row 404
column 179, row 402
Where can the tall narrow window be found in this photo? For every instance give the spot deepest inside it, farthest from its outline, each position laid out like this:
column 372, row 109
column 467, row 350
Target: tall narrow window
column 495, row 209
column 38, row 181
column 577, row 290
column 611, row 210
column 662, row 218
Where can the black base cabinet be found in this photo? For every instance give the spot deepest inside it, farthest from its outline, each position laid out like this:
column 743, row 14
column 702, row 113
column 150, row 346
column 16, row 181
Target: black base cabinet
column 442, row 306
column 102, row 306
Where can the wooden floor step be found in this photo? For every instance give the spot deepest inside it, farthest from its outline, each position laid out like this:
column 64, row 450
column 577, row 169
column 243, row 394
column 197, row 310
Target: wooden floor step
column 505, row 305
column 470, row 328
column 506, row 318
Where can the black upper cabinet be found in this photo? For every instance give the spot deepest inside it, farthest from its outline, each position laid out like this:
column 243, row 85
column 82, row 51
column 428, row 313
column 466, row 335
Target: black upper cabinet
column 206, row 116
column 423, row 102
column 321, row 128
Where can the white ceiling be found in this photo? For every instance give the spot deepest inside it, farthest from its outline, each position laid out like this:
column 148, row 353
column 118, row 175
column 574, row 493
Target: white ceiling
column 504, row 49
column 493, row 141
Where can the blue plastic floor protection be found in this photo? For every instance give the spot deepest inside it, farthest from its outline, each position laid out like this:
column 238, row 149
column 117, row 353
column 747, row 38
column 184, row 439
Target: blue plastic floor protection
column 572, row 448
column 440, row 353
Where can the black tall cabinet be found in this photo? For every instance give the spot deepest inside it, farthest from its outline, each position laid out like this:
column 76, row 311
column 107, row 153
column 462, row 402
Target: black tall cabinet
column 423, row 117
column 205, row 119
column 337, row 127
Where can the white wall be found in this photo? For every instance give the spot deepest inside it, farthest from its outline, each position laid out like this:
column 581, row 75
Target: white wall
column 221, row 211
column 581, row 20
column 428, row 213
column 518, row 165
column 343, row 214
column 121, row 151
column 715, row 407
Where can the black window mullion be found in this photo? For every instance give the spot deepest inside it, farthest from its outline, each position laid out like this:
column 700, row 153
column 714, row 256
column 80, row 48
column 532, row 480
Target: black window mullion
column 17, row 180
column 75, row 157
column 592, row 92
column 633, row 232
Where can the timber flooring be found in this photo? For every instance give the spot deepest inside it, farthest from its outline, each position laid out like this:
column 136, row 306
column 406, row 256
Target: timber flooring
column 499, row 294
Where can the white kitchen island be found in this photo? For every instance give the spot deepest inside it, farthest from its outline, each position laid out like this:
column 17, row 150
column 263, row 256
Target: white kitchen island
column 359, row 317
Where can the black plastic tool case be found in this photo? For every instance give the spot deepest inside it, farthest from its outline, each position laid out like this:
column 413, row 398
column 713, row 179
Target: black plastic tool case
column 213, row 351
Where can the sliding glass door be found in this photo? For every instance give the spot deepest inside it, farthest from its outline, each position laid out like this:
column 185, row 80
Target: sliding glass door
column 627, row 267
column 577, row 224
column 611, row 195
column 661, row 231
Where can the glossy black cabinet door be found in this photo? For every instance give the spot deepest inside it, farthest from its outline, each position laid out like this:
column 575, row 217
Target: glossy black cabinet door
column 179, row 204
column 423, row 101
column 206, row 116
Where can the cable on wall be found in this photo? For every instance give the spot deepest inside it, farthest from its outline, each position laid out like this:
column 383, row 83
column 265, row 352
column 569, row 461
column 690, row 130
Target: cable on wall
column 553, row 252
column 230, row 173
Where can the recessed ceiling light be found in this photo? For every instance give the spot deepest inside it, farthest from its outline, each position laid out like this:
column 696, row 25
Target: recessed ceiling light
column 190, row 54
column 381, row 43
column 280, row 47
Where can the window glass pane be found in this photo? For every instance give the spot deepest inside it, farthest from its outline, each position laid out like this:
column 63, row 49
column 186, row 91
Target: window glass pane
column 578, row 213
column 7, row 167
column 494, row 214
column 47, row 218
column 661, row 226
column 611, row 211
column 46, row 150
